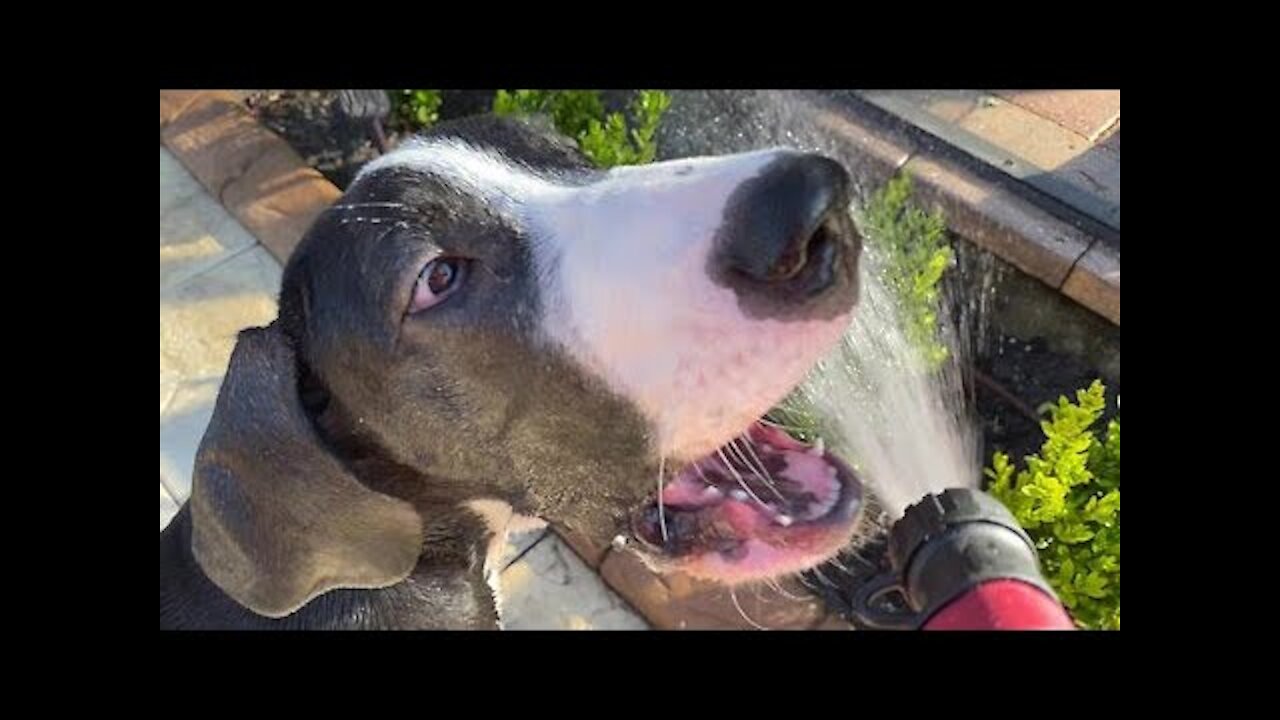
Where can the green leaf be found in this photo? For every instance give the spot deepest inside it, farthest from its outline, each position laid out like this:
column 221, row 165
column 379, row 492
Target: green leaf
column 416, row 108
column 1067, row 497
column 603, row 137
column 916, row 255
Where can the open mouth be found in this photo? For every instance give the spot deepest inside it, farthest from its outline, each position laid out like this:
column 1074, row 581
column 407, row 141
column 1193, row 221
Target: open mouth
column 759, row 507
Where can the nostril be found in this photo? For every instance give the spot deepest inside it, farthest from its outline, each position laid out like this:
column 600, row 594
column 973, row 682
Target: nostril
column 787, row 236
column 824, row 251
column 819, row 247
column 789, row 263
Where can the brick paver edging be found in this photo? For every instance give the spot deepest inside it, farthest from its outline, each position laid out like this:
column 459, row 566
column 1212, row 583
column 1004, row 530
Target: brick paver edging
column 254, row 173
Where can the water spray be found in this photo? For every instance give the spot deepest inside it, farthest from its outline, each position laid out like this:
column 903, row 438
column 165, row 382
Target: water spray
column 959, row 560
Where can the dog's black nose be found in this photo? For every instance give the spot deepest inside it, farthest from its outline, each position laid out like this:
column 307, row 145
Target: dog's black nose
column 787, row 236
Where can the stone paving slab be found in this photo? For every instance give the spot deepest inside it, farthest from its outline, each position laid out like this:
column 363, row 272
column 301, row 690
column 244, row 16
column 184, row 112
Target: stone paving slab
column 1053, row 149
column 215, row 280
column 517, row 544
column 591, row 551
column 550, row 588
column 1052, row 140
column 199, row 322
column 1087, row 112
column 168, row 506
column 196, row 232
column 948, row 105
column 1038, row 140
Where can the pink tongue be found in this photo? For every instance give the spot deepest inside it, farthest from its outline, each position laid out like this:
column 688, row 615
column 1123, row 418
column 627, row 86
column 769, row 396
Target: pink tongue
column 690, row 489
column 814, row 473
column 745, row 516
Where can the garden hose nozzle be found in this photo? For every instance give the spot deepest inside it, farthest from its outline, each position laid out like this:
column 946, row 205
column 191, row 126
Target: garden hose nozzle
column 961, row 562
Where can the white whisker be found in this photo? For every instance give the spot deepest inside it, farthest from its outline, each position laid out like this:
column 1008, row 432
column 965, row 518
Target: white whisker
column 737, row 476
column 778, row 587
column 352, row 206
column 855, row 554
column 765, row 474
column 778, row 425
column 733, row 596
column 804, row 582
column 840, row 566
column 702, row 475
column 761, row 473
column 662, row 513
column 823, row 578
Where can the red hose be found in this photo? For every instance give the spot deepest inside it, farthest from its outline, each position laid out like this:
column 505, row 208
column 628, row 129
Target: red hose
column 1002, row 605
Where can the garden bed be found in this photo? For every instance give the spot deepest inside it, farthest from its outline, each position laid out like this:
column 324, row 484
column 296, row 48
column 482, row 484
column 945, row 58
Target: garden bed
column 311, row 122
column 1034, row 344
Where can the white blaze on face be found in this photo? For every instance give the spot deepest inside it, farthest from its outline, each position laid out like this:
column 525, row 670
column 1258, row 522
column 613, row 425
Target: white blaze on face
column 623, row 271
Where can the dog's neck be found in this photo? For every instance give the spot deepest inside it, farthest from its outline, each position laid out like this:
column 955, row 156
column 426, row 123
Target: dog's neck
column 452, row 531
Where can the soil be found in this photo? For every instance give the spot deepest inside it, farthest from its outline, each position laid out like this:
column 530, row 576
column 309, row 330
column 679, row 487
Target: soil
column 310, row 121
column 1034, row 375
column 328, row 141
column 1014, row 377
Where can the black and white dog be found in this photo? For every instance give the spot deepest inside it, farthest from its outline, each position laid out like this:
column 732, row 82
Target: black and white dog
column 484, row 329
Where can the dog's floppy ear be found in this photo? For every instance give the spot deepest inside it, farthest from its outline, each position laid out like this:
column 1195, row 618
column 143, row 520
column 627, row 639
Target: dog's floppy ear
column 277, row 519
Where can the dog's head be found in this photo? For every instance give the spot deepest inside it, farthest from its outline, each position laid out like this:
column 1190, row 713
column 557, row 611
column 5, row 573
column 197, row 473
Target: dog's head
column 494, row 319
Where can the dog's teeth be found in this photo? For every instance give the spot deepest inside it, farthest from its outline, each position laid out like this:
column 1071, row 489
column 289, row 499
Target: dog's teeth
column 783, row 520
column 739, row 495
column 712, row 492
column 819, row 448
column 619, row 542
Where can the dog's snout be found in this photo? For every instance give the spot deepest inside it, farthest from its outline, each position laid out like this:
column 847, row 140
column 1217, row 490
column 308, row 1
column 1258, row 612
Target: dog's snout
column 786, row 234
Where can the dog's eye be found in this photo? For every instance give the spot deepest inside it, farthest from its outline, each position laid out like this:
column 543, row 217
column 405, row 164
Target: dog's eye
column 437, row 281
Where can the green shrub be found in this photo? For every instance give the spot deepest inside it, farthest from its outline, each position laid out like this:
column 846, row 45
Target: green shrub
column 572, row 111
column 1068, row 499
column 580, row 114
column 606, row 143
column 416, row 109
column 914, row 246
